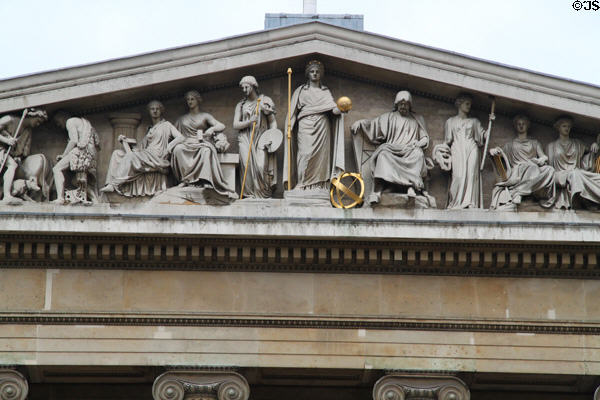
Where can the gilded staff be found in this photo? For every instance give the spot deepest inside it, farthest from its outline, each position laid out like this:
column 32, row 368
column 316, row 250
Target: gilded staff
column 289, row 128
column 16, row 135
column 250, row 148
column 489, row 133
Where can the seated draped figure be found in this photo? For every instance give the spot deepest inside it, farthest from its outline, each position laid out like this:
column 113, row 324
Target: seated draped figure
column 573, row 161
column 523, row 170
column 398, row 164
column 143, row 171
column 195, row 161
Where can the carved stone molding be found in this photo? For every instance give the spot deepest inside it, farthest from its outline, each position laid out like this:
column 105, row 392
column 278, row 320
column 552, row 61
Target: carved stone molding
column 124, row 124
column 266, row 255
column 405, row 387
column 13, row 385
column 200, row 385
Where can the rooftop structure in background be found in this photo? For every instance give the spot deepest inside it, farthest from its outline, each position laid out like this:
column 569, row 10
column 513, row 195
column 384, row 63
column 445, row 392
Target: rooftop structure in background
column 309, row 14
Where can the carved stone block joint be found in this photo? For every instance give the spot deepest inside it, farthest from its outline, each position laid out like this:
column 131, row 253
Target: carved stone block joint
column 13, row 385
column 404, row 387
column 200, row 385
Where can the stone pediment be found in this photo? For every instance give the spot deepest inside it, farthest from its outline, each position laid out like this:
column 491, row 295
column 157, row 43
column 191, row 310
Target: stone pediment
column 369, row 68
column 269, row 53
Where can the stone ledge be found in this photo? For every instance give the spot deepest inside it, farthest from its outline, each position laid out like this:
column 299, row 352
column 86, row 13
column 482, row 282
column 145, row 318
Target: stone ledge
column 276, row 219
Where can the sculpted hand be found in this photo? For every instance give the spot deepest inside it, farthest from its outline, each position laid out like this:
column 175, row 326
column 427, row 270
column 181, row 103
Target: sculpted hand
column 11, row 141
column 200, row 135
column 492, row 117
column 594, row 147
column 336, row 111
column 59, row 157
column 355, row 127
column 121, row 138
column 17, row 160
column 495, row 151
column 252, row 120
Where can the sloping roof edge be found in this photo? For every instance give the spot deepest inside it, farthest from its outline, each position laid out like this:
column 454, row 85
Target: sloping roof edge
column 402, row 56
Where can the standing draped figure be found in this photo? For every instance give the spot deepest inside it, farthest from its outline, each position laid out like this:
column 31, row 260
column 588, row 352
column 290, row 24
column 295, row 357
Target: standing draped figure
column 195, row 161
column 261, row 175
column 317, row 142
column 570, row 158
column 464, row 136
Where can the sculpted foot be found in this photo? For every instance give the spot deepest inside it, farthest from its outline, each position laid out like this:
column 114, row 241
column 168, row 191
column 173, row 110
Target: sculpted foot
column 374, row 198
column 517, row 199
column 411, row 192
column 182, row 184
column 11, row 200
column 108, row 189
column 60, row 200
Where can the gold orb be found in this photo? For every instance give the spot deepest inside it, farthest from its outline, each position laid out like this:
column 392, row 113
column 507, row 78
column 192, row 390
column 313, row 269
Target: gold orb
column 344, row 104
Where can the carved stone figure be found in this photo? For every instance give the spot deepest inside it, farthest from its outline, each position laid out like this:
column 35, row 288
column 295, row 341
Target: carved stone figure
column 194, row 159
column 143, row 172
column 398, row 164
column 317, row 136
column 14, row 151
column 527, row 170
column 463, row 136
column 261, row 175
column 572, row 162
column 79, row 157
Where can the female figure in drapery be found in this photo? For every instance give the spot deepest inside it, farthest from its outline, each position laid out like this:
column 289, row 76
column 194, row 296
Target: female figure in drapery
column 529, row 174
column 572, row 162
column 261, row 175
column 194, row 161
column 317, row 134
column 464, row 136
column 143, row 171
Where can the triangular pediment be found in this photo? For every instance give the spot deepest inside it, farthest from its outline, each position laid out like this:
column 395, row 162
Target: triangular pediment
column 357, row 55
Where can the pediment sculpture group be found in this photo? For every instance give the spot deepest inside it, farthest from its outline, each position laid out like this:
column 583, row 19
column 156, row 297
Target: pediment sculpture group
column 389, row 150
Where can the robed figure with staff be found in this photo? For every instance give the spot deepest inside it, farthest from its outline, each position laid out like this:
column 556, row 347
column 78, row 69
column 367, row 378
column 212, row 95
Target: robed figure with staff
column 463, row 135
column 317, row 143
column 258, row 161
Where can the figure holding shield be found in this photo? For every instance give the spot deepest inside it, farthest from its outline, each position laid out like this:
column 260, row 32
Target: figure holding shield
column 257, row 152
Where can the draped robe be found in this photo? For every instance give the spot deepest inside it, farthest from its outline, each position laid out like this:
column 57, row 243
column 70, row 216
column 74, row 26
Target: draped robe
column 397, row 160
column 194, row 161
column 571, row 177
column 526, row 177
column 143, row 172
column 262, row 167
column 316, row 160
column 464, row 136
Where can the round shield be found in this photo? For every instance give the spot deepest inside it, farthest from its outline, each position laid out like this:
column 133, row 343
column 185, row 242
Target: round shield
column 347, row 190
column 270, row 140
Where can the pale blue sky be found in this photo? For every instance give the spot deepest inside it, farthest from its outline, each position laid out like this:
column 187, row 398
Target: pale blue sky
column 547, row 36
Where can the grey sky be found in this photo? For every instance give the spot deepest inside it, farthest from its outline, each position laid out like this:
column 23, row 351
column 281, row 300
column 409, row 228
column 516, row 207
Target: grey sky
column 547, row 36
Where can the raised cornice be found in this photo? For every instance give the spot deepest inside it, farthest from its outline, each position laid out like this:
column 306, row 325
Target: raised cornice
column 244, row 51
